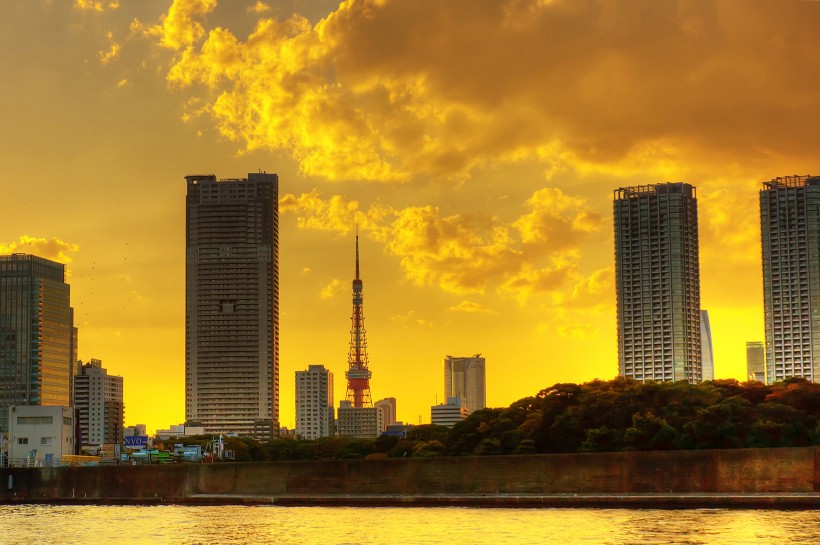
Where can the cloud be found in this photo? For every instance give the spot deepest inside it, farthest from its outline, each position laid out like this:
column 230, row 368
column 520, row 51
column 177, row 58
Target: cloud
column 387, row 90
column 470, row 307
column 96, row 5
column 54, row 248
column 259, row 7
column 334, row 288
column 108, row 56
column 466, row 253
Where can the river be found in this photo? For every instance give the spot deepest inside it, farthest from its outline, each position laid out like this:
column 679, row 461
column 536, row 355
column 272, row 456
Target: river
column 235, row 525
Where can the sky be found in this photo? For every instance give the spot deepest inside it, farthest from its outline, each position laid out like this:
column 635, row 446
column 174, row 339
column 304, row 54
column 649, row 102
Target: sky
column 476, row 143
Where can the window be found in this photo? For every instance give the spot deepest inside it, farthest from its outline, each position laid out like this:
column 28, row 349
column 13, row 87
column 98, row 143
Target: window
column 66, row 420
column 46, row 440
column 22, row 440
column 29, row 420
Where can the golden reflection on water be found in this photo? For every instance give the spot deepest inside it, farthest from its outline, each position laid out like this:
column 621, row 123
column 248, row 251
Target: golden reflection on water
column 237, row 525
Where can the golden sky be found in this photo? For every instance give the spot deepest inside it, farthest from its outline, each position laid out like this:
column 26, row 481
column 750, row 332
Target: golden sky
column 475, row 142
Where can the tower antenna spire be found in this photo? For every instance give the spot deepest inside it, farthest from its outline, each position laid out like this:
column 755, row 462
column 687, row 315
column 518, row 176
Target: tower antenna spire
column 357, row 251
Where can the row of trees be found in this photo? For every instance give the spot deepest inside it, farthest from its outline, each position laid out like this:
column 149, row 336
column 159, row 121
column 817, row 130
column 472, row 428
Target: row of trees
column 598, row 416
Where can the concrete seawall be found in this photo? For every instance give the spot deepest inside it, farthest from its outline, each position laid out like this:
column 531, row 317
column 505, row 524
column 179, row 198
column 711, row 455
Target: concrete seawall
column 788, row 477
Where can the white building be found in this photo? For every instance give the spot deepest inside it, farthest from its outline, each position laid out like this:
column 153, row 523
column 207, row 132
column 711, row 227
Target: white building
column 314, row 402
column 388, row 408
column 465, row 378
column 449, row 414
column 100, row 409
column 359, row 422
column 40, row 435
column 179, row 430
column 706, row 353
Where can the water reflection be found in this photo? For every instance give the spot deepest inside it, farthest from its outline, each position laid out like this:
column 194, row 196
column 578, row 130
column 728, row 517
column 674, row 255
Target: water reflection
column 236, row 525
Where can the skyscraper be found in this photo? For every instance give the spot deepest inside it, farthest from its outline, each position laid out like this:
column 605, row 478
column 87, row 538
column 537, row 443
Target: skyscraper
column 232, row 305
column 790, row 233
column 464, row 378
column 314, row 402
column 658, row 282
column 756, row 361
column 36, row 334
column 357, row 416
column 706, row 352
column 99, row 405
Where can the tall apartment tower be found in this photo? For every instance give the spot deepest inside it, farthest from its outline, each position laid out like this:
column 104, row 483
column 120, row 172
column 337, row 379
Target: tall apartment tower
column 232, row 305
column 37, row 337
column 314, row 402
column 658, row 282
column 756, row 361
column 464, row 378
column 790, row 233
column 99, row 406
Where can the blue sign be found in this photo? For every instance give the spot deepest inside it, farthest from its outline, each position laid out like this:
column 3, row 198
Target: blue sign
column 135, row 440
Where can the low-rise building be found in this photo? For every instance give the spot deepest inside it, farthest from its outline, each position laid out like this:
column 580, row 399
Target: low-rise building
column 359, row 422
column 449, row 414
column 39, row 436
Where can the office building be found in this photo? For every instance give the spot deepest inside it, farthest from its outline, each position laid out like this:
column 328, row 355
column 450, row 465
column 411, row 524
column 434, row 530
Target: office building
column 450, row 413
column 464, row 378
column 388, row 408
column 37, row 337
column 706, row 354
column 314, row 402
column 790, row 237
column 39, row 436
column 232, row 305
column 658, row 282
column 99, row 405
column 756, row 361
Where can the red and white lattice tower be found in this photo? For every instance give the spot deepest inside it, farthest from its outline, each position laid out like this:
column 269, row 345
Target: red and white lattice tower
column 358, row 375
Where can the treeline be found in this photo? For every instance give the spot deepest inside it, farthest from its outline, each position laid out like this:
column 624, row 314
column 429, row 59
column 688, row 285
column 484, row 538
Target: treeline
column 598, row 416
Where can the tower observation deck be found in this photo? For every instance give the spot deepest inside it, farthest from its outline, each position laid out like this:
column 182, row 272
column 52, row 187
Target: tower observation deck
column 358, row 375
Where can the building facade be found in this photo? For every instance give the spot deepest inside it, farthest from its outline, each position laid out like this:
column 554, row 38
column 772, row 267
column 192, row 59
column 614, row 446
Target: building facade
column 232, row 305
column 450, row 413
column 314, row 402
column 388, row 408
column 358, row 422
column 658, row 282
column 790, row 241
column 465, row 378
column 40, row 436
column 756, row 361
column 37, row 337
column 98, row 400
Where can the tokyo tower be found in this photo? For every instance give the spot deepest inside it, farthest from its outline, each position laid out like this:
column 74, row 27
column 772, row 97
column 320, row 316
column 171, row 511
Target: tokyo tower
column 358, row 375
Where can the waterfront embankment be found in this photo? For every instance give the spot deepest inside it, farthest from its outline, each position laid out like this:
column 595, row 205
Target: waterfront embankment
column 785, row 477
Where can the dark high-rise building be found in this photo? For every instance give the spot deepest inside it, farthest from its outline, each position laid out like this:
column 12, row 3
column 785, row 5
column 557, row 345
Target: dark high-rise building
column 37, row 336
column 790, row 236
column 756, row 361
column 658, row 282
column 232, row 305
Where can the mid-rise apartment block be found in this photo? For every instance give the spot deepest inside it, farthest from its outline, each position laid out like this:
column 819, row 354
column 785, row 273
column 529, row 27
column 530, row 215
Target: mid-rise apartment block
column 658, row 282
column 98, row 400
column 314, row 402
